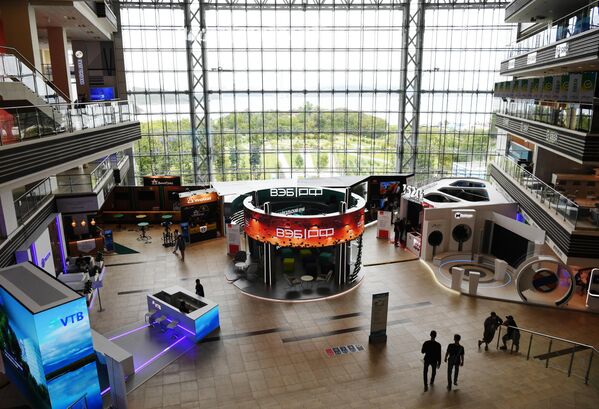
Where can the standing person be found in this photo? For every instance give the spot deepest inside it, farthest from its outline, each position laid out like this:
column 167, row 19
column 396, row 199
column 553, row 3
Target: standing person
column 490, row 326
column 432, row 356
column 176, row 236
column 199, row 288
column 455, row 353
column 398, row 227
column 512, row 333
column 181, row 246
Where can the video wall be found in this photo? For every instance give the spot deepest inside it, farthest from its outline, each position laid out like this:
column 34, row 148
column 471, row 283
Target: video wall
column 49, row 356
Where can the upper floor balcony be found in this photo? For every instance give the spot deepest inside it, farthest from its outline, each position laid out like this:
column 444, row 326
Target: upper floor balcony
column 35, row 144
column 525, row 11
column 571, row 226
column 569, row 43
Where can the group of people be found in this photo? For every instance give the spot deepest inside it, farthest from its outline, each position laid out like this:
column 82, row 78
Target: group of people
column 492, row 322
column 454, row 355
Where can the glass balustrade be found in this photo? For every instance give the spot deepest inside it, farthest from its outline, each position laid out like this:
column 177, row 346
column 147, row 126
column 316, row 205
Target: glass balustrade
column 579, row 217
column 584, row 19
column 14, row 69
column 28, row 202
column 88, row 182
column 30, row 122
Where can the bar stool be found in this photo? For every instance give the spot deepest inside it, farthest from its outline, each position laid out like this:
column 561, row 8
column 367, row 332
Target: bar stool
column 142, row 232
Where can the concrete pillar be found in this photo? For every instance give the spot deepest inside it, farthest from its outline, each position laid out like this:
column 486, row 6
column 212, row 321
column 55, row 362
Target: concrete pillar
column 457, row 275
column 8, row 215
column 61, row 75
column 473, row 279
column 500, row 270
column 20, row 29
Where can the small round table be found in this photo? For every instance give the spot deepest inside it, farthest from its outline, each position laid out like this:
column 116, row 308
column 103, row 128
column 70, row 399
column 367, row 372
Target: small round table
column 167, row 217
column 306, row 279
column 142, row 227
column 141, row 216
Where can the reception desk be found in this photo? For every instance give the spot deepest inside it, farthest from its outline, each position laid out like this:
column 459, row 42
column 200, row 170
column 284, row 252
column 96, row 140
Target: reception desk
column 201, row 319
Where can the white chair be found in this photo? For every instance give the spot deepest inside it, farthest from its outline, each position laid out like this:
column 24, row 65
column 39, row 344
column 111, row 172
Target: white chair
column 326, row 278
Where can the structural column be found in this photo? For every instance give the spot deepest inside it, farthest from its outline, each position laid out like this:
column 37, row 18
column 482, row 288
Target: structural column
column 8, row 214
column 20, row 29
column 57, row 40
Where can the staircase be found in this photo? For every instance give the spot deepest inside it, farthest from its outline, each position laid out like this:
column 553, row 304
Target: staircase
column 21, row 84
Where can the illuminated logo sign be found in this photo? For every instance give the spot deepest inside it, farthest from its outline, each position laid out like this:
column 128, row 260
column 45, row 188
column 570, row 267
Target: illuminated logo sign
column 295, row 192
column 561, row 50
column 285, row 233
column 71, row 319
column 45, row 259
column 80, row 71
column 156, row 305
column 79, row 54
column 199, row 198
column 414, row 192
column 463, row 215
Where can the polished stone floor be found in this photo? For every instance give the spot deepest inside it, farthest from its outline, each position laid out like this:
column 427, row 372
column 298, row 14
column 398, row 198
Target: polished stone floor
column 272, row 355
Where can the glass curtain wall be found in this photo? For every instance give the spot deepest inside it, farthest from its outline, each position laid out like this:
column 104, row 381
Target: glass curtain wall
column 300, row 89
column 462, row 51
column 154, row 49
column 304, row 89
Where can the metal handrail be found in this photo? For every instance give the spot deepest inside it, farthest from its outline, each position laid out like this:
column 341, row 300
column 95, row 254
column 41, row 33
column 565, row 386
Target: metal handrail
column 529, row 331
column 32, row 67
column 31, row 190
column 68, row 104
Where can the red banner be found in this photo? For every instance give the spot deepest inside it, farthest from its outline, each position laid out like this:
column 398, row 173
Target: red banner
column 315, row 231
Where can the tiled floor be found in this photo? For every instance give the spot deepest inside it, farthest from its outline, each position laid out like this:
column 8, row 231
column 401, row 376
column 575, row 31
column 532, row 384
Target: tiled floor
column 288, row 367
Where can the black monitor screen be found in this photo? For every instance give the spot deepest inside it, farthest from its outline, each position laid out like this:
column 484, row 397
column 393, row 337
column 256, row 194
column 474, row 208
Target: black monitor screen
column 507, row 245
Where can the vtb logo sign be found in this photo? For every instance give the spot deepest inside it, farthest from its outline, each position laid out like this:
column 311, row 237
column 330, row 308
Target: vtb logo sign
column 71, row 319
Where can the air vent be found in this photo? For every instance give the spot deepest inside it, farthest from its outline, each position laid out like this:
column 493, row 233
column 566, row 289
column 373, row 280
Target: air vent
column 96, row 80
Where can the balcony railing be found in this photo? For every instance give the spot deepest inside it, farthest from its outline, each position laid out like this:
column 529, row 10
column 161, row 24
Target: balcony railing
column 28, row 202
column 577, row 216
column 88, row 182
column 572, row 358
column 576, row 117
column 14, row 67
column 31, row 122
column 579, row 21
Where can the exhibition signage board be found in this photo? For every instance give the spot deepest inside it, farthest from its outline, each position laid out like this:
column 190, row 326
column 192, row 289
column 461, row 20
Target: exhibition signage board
column 384, row 225
column 162, row 180
column 378, row 318
column 48, row 351
column 197, row 197
column 233, row 238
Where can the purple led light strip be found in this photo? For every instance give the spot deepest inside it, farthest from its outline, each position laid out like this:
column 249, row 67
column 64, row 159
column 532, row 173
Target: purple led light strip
column 105, row 391
column 155, row 357
column 129, row 332
column 62, row 255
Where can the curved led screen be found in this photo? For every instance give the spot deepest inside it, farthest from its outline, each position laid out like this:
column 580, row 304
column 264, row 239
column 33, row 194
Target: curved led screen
column 317, row 231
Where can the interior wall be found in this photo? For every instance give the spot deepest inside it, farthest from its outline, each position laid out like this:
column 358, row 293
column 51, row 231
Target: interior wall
column 554, row 163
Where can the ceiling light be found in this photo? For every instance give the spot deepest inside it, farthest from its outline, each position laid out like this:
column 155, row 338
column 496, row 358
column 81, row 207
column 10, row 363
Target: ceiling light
column 74, row 223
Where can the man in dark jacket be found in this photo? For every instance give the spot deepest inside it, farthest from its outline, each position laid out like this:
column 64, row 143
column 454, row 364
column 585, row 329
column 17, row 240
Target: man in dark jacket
column 512, row 333
column 199, row 288
column 454, row 358
column 490, row 326
column 432, row 356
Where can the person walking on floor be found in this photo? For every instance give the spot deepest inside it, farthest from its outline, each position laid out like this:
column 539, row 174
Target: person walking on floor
column 179, row 244
column 454, row 358
column 432, row 357
column 490, row 326
column 398, row 227
column 512, row 333
column 199, row 288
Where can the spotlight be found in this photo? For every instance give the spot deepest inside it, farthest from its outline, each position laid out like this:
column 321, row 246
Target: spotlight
column 74, row 223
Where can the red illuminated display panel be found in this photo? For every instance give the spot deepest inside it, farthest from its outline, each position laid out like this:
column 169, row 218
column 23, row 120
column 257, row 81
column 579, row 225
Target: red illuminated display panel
column 306, row 231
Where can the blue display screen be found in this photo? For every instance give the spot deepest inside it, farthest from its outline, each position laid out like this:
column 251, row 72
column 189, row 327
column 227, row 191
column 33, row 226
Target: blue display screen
column 206, row 324
column 101, row 94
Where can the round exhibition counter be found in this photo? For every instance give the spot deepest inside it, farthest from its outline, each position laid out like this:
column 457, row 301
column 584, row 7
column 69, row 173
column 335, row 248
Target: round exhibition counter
column 296, row 232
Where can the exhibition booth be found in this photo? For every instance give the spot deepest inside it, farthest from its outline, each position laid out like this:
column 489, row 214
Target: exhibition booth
column 301, row 242
column 477, row 242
